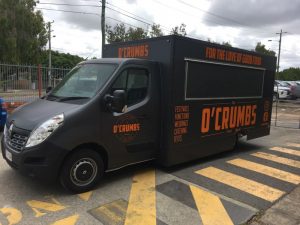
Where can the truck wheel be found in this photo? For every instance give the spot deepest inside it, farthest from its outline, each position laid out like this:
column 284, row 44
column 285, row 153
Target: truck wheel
column 81, row 171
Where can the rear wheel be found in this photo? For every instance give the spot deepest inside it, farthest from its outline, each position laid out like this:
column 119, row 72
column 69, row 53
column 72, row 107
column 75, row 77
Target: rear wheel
column 82, row 170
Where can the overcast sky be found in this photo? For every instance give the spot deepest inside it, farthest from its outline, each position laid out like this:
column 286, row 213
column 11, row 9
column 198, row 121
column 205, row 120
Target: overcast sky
column 242, row 23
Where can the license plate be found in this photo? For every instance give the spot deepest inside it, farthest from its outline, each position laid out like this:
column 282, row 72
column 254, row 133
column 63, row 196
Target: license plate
column 8, row 155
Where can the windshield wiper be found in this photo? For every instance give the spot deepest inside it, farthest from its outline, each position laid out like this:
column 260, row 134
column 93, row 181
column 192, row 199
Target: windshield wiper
column 62, row 99
column 51, row 97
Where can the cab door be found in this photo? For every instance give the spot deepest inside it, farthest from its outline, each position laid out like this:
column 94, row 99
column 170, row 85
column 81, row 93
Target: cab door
column 133, row 136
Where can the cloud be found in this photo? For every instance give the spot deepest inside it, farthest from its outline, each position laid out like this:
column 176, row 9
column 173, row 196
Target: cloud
column 90, row 18
column 254, row 13
column 131, row 1
column 242, row 23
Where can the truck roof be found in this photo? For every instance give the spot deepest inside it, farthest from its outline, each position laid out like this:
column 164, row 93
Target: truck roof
column 113, row 60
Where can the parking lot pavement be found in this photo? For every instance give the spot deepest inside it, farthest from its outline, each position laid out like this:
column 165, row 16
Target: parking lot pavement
column 228, row 188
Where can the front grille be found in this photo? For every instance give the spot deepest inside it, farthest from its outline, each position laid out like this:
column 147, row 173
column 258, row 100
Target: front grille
column 17, row 142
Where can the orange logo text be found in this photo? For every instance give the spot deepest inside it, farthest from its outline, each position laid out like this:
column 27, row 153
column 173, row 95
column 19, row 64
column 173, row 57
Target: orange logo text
column 126, row 128
column 136, row 51
column 227, row 117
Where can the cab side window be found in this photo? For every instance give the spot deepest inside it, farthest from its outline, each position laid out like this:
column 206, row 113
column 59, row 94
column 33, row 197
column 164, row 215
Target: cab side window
column 135, row 83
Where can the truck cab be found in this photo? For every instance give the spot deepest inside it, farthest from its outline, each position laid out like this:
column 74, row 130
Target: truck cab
column 103, row 109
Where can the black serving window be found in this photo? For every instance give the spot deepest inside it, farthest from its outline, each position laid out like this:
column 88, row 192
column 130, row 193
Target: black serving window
column 209, row 80
column 135, row 82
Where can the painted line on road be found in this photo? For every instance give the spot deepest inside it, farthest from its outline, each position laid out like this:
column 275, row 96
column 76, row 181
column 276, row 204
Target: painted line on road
column 206, row 204
column 266, row 170
column 278, row 159
column 12, row 215
column 286, row 150
column 71, row 220
column 41, row 208
column 85, row 196
column 290, row 144
column 249, row 186
column 111, row 213
column 142, row 201
column 210, row 208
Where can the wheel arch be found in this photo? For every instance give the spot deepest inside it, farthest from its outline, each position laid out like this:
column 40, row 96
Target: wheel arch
column 93, row 146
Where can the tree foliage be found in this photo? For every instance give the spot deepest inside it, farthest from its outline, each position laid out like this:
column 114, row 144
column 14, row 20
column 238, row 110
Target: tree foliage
column 22, row 32
column 120, row 33
column 261, row 48
column 291, row 73
column 155, row 31
column 179, row 30
column 60, row 60
column 226, row 43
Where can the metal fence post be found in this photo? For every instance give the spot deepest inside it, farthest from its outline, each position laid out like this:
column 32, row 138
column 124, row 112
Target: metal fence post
column 277, row 99
column 40, row 80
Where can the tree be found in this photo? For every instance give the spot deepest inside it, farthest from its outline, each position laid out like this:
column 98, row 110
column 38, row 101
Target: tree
column 226, row 43
column 22, row 32
column 155, row 31
column 61, row 60
column 119, row 32
column 180, row 31
column 134, row 34
column 261, row 48
column 116, row 34
column 289, row 74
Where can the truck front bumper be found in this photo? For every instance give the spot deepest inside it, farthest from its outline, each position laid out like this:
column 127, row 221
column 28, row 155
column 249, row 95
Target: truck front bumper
column 42, row 162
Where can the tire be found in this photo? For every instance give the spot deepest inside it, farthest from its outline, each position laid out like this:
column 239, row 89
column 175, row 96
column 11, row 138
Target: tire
column 81, row 171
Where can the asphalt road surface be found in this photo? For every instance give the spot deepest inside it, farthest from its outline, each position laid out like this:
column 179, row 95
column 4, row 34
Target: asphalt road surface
column 227, row 188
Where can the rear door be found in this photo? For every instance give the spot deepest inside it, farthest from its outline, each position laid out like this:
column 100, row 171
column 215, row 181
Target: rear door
column 132, row 136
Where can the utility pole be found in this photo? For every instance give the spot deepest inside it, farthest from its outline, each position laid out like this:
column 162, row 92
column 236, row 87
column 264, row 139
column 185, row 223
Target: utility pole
column 103, row 25
column 50, row 63
column 278, row 60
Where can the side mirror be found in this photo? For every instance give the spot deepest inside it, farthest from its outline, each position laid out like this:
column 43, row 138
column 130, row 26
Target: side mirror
column 48, row 89
column 117, row 101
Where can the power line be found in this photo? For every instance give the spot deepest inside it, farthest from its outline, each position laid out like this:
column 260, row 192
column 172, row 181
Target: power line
column 66, row 4
column 212, row 14
column 87, row 13
column 79, row 5
column 69, row 11
column 184, row 12
column 129, row 12
column 129, row 16
column 128, row 24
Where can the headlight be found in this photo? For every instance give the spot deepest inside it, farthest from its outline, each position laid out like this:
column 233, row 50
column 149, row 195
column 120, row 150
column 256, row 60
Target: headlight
column 44, row 130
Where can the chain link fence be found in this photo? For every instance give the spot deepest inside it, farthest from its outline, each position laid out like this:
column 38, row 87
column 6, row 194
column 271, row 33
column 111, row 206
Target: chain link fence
column 286, row 113
column 24, row 83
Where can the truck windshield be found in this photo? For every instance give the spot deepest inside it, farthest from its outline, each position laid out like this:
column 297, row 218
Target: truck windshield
column 83, row 82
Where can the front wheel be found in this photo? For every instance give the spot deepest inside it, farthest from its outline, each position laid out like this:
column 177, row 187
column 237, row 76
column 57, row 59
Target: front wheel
column 82, row 170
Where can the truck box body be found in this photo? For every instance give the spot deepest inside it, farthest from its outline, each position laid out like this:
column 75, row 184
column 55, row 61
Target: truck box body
column 171, row 99
column 210, row 93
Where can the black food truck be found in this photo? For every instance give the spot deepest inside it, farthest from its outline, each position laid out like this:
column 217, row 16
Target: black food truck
column 171, row 99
